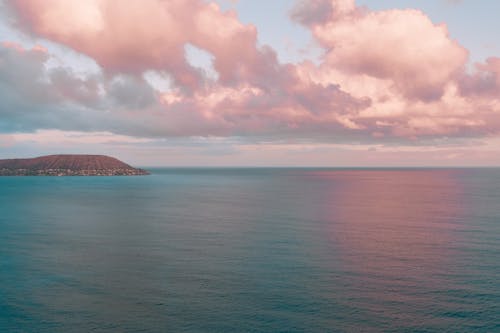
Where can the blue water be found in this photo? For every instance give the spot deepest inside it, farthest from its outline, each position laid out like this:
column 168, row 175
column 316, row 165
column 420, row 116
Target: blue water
column 252, row 250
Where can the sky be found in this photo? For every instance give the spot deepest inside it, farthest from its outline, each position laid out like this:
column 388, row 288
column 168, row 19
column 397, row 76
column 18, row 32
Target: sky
column 252, row 83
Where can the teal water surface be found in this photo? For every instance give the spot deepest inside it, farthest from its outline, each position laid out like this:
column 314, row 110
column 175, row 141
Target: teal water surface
column 252, row 250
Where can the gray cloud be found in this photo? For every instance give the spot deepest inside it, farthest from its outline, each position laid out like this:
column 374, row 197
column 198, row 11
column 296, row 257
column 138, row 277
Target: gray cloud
column 35, row 97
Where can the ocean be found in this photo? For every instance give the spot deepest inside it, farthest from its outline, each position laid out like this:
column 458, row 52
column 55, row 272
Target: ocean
column 252, row 250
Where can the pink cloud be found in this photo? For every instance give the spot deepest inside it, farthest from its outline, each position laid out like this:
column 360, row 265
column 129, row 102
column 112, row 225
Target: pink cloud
column 403, row 46
column 114, row 35
column 385, row 75
column 409, row 67
column 136, row 36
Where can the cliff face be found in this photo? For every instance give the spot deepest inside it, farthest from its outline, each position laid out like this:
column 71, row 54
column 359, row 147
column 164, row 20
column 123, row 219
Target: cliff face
column 68, row 165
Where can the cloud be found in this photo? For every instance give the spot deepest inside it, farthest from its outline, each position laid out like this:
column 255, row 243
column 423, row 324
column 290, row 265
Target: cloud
column 485, row 81
column 386, row 76
column 314, row 12
column 409, row 67
column 40, row 98
column 22, row 88
column 402, row 46
column 49, row 137
column 36, row 97
column 133, row 37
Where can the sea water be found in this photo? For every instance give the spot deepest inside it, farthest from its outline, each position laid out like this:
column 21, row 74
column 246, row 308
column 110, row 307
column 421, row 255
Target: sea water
column 252, row 250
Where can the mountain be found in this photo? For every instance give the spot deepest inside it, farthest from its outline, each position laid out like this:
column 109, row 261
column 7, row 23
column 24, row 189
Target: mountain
column 68, row 165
